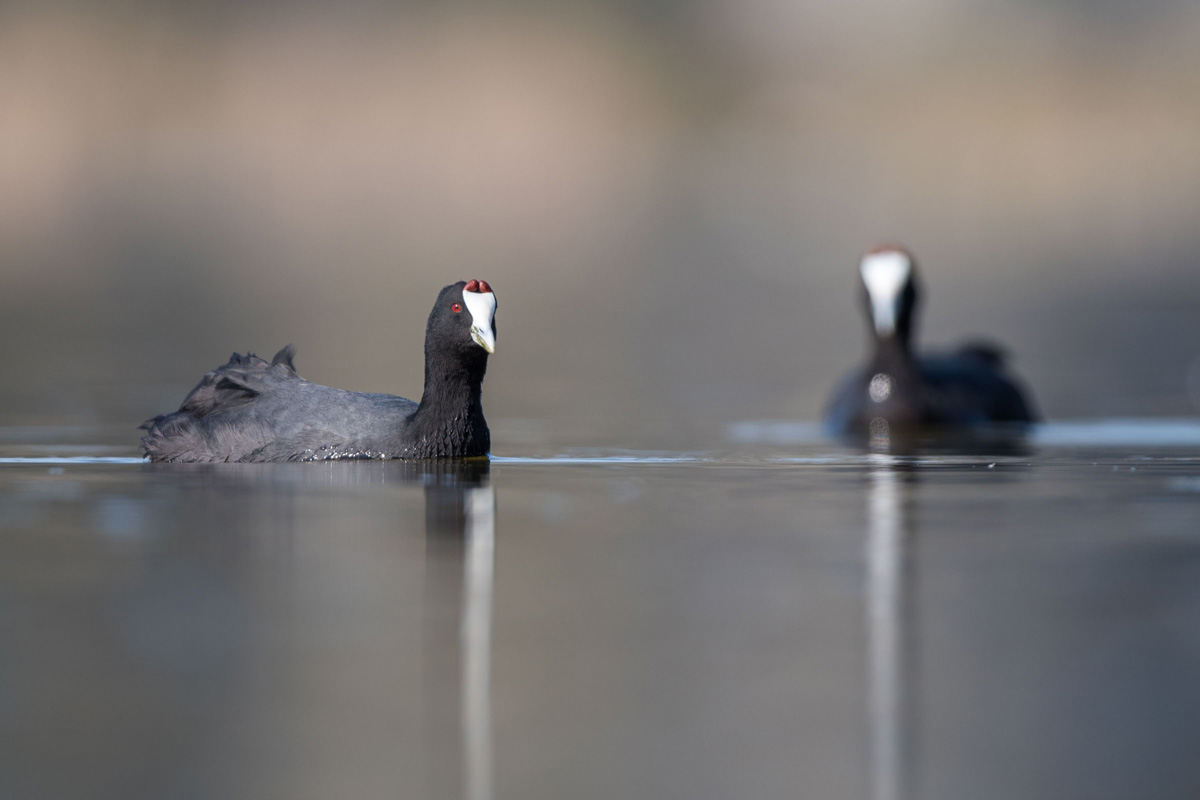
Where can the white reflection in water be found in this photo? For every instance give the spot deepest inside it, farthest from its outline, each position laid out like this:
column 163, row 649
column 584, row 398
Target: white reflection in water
column 885, row 604
column 72, row 460
column 476, row 642
column 1117, row 432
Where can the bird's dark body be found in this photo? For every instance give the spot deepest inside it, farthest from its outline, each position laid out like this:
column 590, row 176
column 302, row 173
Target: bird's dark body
column 250, row 409
column 967, row 387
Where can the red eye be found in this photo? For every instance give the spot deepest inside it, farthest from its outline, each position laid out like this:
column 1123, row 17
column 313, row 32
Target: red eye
column 457, row 307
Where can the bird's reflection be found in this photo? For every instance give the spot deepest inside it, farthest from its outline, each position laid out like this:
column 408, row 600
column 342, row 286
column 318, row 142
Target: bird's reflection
column 458, row 567
column 476, row 641
column 460, row 526
column 889, row 623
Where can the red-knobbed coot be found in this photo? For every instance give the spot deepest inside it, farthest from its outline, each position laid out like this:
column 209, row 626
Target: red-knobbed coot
column 966, row 387
column 254, row 410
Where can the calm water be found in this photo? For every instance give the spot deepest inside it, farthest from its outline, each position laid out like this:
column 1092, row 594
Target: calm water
column 773, row 616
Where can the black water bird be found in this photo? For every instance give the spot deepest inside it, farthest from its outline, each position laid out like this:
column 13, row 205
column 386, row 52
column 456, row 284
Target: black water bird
column 898, row 388
column 250, row 409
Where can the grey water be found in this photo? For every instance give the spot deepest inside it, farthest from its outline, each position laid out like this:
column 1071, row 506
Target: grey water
column 773, row 615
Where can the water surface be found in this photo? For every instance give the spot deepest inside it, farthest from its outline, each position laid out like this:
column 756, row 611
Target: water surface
column 773, row 615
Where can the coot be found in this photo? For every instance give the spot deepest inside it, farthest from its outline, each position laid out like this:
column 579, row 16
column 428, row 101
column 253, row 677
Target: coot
column 966, row 387
column 254, row 410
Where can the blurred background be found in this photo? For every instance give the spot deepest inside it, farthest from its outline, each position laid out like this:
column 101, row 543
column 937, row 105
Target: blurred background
column 670, row 198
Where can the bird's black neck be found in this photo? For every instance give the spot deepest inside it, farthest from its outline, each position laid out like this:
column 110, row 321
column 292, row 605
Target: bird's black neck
column 449, row 420
column 891, row 348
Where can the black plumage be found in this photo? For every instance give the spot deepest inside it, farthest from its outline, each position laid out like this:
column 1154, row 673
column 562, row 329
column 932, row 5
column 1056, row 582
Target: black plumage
column 249, row 409
column 969, row 386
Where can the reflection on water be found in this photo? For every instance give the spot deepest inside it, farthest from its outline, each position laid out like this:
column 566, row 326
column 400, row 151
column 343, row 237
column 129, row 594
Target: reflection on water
column 709, row 624
column 477, row 642
column 1121, row 433
column 233, row 592
column 461, row 508
column 997, row 439
column 886, row 546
